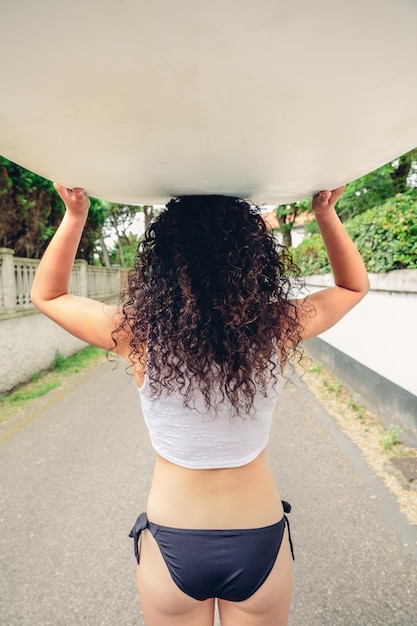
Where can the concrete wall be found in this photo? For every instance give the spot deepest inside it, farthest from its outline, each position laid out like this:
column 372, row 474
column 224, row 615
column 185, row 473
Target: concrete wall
column 28, row 346
column 373, row 349
column 28, row 340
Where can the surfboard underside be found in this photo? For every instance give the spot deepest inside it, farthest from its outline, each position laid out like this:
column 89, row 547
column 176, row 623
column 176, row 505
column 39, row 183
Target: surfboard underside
column 139, row 101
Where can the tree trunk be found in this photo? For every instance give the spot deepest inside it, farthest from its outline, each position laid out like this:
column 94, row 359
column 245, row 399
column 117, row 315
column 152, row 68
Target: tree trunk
column 399, row 176
column 287, row 238
column 119, row 241
column 148, row 211
column 285, row 225
column 104, row 252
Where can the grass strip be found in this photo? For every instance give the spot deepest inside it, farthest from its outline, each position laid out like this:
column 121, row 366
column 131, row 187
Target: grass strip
column 43, row 383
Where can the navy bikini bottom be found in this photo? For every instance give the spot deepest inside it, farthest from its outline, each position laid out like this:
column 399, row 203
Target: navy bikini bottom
column 226, row 564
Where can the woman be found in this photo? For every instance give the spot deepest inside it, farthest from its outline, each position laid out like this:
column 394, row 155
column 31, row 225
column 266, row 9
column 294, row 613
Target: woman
column 207, row 324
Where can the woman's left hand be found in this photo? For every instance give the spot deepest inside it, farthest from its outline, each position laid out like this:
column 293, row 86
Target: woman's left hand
column 326, row 200
column 76, row 200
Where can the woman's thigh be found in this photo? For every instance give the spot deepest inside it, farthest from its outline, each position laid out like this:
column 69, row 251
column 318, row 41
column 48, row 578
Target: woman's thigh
column 270, row 605
column 162, row 602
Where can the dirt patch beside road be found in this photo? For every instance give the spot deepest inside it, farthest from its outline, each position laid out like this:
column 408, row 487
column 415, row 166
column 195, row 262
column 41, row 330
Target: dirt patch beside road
column 378, row 445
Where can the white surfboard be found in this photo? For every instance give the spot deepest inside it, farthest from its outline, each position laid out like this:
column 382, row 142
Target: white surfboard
column 270, row 99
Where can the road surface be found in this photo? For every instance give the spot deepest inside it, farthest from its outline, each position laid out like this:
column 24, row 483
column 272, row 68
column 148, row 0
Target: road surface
column 75, row 469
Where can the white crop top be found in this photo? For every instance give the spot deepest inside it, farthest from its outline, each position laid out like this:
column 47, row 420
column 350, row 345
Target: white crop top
column 197, row 438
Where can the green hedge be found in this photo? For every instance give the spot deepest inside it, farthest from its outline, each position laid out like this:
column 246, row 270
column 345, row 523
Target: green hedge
column 386, row 237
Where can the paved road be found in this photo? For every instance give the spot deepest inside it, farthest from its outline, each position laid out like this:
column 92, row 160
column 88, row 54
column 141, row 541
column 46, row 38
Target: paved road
column 74, row 474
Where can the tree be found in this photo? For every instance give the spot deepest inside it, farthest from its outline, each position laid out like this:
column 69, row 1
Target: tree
column 92, row 231
column 378, row 186
column 30, row 211
column 149, row 212
column 130, row 247
column 286, row 216
column 117, row 227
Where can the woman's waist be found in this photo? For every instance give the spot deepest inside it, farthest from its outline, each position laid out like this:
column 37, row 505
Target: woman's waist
column 240, row 497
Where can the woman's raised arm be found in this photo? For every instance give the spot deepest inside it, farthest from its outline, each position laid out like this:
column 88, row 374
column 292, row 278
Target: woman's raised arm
column 328, row 306
column 87, row 319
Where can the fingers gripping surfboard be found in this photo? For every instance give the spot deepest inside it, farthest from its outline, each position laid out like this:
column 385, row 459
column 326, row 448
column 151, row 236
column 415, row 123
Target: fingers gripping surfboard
column 138, row 101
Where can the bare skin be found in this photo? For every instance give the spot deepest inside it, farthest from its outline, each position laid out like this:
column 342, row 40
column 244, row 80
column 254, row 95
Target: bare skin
column 188, row 498
column 212, row 499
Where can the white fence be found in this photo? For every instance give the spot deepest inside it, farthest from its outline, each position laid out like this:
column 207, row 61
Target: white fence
column 29, row 340
column 16, row 277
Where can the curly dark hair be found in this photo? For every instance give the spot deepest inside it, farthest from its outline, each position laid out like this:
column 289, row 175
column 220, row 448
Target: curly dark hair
column 210, row 295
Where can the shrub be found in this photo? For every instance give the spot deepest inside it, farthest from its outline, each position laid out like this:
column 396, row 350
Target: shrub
column 386, row 237
column 310, row 256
